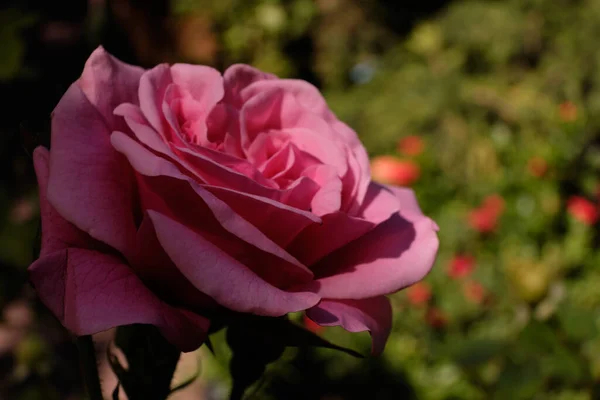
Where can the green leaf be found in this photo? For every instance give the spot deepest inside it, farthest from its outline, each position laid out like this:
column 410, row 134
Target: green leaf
column 577, row 323
column 477, row 352
column 288, row 334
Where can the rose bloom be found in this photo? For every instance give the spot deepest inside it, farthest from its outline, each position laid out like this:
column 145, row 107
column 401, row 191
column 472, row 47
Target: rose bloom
column 172, row 193
column 390, row 170
column 582, row 210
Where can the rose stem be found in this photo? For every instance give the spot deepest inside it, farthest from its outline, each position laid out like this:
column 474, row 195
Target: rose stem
column 89, row 366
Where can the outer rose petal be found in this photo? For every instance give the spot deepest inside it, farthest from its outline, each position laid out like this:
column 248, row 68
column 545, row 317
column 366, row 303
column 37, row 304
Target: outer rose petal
column 338, row 229
column 160, row 275
column 408, row 200
column 373, row 315
column 90, row 183
column 396, row 254
column 57, row 234
column 108, row 82
column 91, row 292
column 219, row 275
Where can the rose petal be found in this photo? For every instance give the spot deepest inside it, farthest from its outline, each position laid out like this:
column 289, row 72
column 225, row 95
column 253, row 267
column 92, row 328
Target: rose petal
column 91, row 292
column 218, row 169
column 108, row 82
column 373, row 314
column 261, row 212
column 239, row 76
column 407, row 199
column 146, row 163
column 57, row 233
column 338, row 229
column 396, row 254
column 205, row 84
column 357, row 179
column 329, row 197
column 276, row 267
column 307, row 96
column 153, row 85
column 223, row 278
column 90, row 183
column 157, row 271
column 381, row 202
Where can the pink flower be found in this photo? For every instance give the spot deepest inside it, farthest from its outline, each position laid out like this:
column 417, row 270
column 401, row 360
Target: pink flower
column 582, row 210
column 411, row 145
column 387, row 169
column 461, row 266
column 419, row 293
column 173, row 192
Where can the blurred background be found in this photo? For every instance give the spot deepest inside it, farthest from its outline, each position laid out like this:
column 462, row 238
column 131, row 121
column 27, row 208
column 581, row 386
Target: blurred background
column 490, row 110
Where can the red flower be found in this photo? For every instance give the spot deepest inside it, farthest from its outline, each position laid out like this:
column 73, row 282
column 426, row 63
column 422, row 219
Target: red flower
column 419, row 293
column 567, row 111
column 411, row 145
column 494, row 203
column 485, row 218
column 582, row 210
column 461, row 266
column 436, row 318
column 537, row 166
column 474, row 292
column 387, row 169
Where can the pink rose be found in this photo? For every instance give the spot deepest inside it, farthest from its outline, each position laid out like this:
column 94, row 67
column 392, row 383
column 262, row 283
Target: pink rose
column 175, row 191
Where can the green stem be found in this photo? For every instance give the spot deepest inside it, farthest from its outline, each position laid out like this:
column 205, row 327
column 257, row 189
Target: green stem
column 89, row 366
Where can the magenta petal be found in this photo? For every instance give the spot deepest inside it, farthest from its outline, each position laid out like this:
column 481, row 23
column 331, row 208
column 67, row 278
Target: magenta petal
column 239, row 76
column 146, row 163
column 407, row 200
column 57, row 233
column 396, row 254
column 307, row 95
column 217, row 274
column 319, row 240
column 91, row 292
column 151, row 92
column 261, row 212
column 90, row 184
column 108, row 82
column 329, row 197
column 380, row 203
column 373, row 314
column 205, row 84
column 157, row 271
